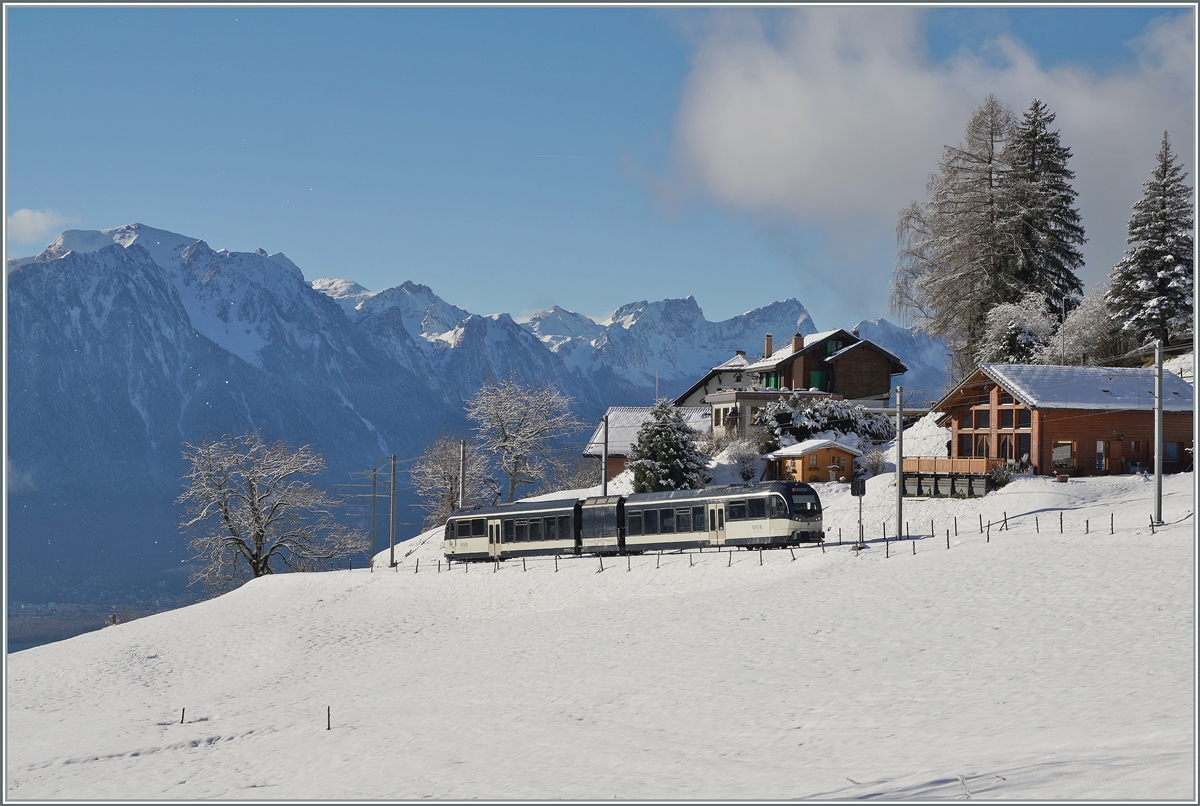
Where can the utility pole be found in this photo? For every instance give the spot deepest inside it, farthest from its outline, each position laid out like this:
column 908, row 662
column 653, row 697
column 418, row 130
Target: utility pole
column 1158, row 431
column 392, row 550
column 374, row 473
column 604, row 459
column 462, row 473
column 899, row 461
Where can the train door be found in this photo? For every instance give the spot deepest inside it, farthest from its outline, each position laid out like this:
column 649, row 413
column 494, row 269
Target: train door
column 495, row 539
column 716, row 523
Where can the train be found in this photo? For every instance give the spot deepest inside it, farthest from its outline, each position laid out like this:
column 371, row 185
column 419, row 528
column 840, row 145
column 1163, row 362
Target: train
column 772, row 514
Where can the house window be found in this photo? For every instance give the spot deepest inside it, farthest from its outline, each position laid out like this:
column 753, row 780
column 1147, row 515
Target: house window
column 1170, row 451
column 812, row 460
column 982, row 446
column 1006, row 418
column 965, row 443
column 982, row 418
column 1024, row 418
column 1101, row 449
column 1006, row 447
column 1023, row 447
column 717, row 417
column 1005, row 398
column 1062, row 453
column 1135, row 446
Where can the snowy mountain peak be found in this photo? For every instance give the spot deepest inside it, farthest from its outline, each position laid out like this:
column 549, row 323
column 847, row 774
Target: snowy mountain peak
column 558, row 323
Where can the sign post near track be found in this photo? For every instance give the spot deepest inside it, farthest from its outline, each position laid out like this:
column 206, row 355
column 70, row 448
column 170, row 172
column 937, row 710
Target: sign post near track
column 899, row 461
column 858, row 488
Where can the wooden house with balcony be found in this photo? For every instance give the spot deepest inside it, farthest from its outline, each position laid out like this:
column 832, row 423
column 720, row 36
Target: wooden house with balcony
column 835, row 361
column 1054, row 420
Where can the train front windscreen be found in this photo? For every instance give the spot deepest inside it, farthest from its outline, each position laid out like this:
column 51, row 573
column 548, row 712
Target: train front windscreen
column 805, row 502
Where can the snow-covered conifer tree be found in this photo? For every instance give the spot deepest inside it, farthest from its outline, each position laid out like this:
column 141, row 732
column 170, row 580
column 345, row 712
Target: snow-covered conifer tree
column 1151, row 287
column 1016, row 332
column 665, row 456
column 1041, row 205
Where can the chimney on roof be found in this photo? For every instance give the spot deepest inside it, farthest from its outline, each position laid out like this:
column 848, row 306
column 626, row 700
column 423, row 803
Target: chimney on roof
column 797, row 343
column 767, row 347
column 741, row 352
column 854, row 333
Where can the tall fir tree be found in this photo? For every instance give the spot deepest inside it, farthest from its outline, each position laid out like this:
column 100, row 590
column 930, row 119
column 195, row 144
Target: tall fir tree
column 1040, row 204
column 1151, row 287
column 665, row 456
column 957, row 259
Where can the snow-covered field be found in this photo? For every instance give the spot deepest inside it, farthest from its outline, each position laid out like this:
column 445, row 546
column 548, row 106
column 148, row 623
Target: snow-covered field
column 1011, row 665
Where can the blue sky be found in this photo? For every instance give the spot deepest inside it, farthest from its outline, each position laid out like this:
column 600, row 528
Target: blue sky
column 515, row 158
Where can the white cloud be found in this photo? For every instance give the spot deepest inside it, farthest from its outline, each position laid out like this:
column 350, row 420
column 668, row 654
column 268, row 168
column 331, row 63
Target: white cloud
column 32, row 226
column 835, row 117
column 17, row 481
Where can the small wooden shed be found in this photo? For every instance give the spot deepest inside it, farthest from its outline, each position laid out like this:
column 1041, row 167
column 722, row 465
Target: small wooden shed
column 813, row 460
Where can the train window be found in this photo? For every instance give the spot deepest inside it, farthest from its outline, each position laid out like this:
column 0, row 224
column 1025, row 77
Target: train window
column 478, row 527
column 464, row 528
column 551, row 529
column 508, row 532
column 777, row 506
column 564, row 527
column 651, row 519
column 698, row 524
column 805, row 502
column 683, row 520
column 737, row 510
column 633, row 523
column 756, row 508
column 535, row 529
column 666, row 521
column 522, row 531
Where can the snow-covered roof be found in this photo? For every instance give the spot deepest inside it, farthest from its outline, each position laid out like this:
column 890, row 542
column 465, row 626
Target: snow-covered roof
column 785, row 352
column 624, row 422
column 808, row 446
column 868, row 343
column 739, row 361
column 1042, row 386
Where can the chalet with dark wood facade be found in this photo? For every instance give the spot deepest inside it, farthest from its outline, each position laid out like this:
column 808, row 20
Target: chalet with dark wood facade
column 834, row 361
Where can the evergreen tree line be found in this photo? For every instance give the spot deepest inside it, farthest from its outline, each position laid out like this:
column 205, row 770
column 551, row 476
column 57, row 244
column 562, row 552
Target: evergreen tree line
column 989, row 263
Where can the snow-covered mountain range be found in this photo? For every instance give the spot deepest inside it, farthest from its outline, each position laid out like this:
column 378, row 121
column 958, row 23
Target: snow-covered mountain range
column 124, row 343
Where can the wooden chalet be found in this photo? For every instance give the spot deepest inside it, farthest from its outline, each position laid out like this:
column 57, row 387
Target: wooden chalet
column 835, row 361
column 1055, row 420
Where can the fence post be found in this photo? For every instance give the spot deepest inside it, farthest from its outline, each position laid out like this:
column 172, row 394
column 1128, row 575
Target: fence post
column 1036, row 526
column 947, row 538
column 1006, row 521
column 956, row 526
column 1060, row 522
column 886, row 547
column 980, row 523
column 1110, row 523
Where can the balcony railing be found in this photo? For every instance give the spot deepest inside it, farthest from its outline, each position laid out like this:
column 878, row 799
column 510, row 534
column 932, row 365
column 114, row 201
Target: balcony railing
column 942, row 464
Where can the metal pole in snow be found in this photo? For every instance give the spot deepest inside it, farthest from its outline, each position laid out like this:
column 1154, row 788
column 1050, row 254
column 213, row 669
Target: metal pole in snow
column 1158, row 431
column 374, row 473
column 462, row 472
column 392, row 549
column 899, row 459
column 604, row 460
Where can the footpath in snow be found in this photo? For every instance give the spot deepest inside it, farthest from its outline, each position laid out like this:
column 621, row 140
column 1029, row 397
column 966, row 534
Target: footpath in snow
column 1015, row 664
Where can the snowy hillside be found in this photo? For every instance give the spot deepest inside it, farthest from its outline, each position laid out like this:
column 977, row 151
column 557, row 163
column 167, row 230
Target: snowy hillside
column 1017, row 664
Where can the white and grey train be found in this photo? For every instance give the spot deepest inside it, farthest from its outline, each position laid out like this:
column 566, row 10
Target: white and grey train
column 765, row 515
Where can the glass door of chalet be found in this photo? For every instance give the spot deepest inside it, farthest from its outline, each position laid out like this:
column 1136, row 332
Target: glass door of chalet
column 716, row 523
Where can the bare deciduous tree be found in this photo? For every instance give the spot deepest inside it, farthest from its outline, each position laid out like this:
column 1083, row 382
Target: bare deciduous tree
column 252, row 513
column 518, row 425
column 435, row 477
